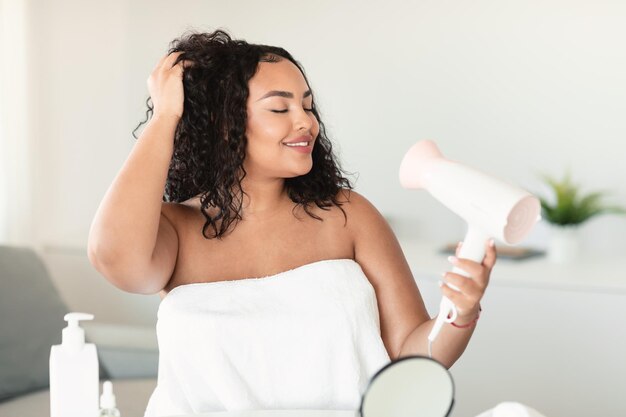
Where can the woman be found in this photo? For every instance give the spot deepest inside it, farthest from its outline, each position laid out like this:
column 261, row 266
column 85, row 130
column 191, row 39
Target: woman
column 252, row 189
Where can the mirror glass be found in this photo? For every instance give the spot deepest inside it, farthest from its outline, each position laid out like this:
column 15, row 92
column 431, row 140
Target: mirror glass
column 409, row 387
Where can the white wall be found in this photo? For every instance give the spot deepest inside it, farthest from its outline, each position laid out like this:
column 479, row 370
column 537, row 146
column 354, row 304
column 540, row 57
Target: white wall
column 512, row 88
column 80, row 112
column 16, row 175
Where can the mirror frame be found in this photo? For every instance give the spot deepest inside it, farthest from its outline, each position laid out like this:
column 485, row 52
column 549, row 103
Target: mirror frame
column 404, row 358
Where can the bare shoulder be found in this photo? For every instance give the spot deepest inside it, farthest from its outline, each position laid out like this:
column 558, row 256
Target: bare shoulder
column 375, row 243
column 354, row 199
column 368, row 228
column 360, row 211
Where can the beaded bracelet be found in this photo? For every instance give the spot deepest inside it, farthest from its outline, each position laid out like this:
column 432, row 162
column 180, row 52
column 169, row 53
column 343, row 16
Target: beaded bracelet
column 471, row 323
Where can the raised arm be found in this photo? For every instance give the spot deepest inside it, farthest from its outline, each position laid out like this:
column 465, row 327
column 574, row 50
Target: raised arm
column 131, row 241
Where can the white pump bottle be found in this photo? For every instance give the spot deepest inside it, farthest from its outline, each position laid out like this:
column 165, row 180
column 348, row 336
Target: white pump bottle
column 74, row 376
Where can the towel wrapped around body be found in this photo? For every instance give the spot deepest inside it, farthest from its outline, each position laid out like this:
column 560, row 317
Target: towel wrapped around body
column 307, row 338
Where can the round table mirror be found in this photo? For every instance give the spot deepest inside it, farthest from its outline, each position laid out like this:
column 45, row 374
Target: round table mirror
column 409, row 387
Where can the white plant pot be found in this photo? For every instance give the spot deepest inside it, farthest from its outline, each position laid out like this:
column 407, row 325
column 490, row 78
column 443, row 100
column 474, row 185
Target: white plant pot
column 564, row 244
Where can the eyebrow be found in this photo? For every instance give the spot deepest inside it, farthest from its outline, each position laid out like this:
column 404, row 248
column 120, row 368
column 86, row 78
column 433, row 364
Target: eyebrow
column 285, row 94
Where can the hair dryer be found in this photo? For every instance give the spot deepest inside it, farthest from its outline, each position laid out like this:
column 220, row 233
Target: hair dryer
column 491, row 208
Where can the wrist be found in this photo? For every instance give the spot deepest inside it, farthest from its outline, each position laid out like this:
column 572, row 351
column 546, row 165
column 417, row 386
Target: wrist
column 170, row 117
column 467, row 320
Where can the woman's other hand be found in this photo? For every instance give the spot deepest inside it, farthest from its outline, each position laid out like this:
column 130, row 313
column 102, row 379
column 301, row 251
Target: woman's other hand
column 472, row 288
column 165, row 85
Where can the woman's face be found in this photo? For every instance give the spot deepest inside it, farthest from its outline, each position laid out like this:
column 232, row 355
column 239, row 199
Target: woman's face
column 279, row 116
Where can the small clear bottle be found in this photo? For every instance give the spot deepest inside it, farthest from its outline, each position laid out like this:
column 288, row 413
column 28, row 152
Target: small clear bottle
column 107, row 401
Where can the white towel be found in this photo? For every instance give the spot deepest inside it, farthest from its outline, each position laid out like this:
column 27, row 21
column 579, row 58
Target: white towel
column 307, row 338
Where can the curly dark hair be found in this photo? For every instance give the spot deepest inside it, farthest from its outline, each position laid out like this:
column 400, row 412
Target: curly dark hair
column 210, row 139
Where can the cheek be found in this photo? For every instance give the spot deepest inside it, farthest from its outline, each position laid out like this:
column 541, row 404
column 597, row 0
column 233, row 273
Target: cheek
column 266, row 128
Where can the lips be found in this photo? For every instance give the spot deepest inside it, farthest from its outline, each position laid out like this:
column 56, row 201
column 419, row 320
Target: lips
column 305, row 138
column 303, row 144
column 297, row 144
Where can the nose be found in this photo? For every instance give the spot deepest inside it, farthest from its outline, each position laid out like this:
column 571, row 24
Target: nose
column 303, row 120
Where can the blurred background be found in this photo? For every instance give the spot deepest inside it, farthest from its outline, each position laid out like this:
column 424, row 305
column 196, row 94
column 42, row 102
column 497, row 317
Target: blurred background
column 514, row 88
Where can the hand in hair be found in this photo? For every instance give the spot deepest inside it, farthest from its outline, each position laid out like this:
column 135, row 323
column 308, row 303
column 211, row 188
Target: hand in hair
column 165, row 85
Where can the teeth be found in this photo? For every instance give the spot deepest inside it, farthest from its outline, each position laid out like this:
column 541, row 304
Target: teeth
column 298, row 144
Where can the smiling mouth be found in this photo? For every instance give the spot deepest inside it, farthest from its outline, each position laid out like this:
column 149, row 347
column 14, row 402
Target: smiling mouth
column 297, row 144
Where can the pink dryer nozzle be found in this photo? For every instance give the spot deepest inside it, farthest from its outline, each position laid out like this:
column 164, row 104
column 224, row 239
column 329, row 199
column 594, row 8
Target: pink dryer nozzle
column 414, row 166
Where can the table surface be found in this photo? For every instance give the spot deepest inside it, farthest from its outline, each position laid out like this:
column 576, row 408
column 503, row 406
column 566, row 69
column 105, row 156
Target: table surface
column 588, row 273
column 279, row 413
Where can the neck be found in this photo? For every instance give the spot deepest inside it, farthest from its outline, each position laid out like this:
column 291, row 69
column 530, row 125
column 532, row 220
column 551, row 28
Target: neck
column 263, row 197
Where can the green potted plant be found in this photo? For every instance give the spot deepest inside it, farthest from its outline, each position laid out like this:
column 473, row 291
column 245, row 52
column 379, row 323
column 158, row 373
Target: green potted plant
column 566, row 211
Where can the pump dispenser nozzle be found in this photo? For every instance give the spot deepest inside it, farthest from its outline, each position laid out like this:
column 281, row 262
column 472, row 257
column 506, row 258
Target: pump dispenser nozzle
column 73, row 336
column 108, row 407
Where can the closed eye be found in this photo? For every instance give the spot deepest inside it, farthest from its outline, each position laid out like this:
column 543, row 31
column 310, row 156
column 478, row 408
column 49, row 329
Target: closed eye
column 286, row 110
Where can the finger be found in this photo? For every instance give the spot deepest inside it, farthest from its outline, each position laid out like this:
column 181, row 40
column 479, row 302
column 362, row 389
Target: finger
column 165, row 63
column 460, row 301
column 187, row 63
column 467, row 286
column 453, row 295
column 160, row 63
column 490, row 256
column 474, row 269
column 171, row 59
column 458, row 248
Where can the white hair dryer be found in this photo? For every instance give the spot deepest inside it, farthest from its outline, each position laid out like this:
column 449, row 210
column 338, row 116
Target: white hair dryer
column 491, row 208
